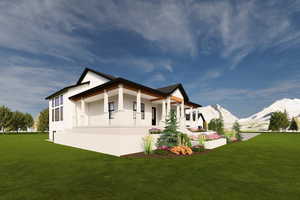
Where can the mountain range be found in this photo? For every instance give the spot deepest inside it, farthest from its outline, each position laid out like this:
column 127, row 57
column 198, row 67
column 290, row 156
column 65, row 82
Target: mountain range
column 257, row 121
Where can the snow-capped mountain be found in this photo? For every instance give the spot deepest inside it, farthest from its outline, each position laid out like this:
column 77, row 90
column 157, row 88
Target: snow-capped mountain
column 216, row 111
column 260, row 120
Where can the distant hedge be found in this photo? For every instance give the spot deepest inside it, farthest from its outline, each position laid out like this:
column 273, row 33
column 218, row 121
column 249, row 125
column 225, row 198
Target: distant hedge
column 22, row 133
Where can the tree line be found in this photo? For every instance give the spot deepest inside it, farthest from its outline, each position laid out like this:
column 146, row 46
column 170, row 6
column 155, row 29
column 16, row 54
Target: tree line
column 280, row 121
column 19, row 121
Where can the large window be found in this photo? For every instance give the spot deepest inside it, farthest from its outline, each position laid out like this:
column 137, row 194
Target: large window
column 111, row 109
column 57, row 109
column 143, row 110
column 134, row 108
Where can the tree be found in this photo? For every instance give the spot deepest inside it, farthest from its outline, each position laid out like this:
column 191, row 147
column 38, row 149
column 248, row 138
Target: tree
column 18, row 121
column 28, row 120
column 294, row 125
column 170, row 134
column 5, row 117
column 43, row 120
column 279, row 120
column 216, row 125
column 236, row 127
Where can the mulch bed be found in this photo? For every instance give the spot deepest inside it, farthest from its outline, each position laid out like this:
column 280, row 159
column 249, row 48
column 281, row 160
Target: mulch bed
column 169, row 155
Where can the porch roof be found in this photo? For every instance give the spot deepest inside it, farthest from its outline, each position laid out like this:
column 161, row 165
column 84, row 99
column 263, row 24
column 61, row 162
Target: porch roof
column 113, row 84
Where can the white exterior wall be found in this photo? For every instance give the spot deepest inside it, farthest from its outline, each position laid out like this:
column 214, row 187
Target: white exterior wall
column 177, row 93
column 94, row 79
column 69, row 115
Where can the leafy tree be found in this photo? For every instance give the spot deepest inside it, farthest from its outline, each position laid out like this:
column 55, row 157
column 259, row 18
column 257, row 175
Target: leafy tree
column 28, row 120
column 279, row 120
column 43, row 120
column 236, row 127
column 294, row 125
column 216, row 125
column 18, row 121
column 5, row 117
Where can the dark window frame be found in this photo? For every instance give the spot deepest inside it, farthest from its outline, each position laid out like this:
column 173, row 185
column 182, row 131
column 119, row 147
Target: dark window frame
column 143, row 111
column 134, row 109
column 111, row 109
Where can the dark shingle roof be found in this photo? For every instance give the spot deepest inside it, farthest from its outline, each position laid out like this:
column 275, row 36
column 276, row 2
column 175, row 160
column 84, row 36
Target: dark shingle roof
column 65, row 89
column 86, row 70
column 169, row 89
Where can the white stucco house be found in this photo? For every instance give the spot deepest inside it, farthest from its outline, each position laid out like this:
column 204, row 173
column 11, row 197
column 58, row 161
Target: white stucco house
column 111, row 114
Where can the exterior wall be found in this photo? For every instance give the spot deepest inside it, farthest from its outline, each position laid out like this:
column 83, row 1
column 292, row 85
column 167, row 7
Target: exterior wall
column 69, row 115
column 94, row 79
column 109, row 140
column 177, row 93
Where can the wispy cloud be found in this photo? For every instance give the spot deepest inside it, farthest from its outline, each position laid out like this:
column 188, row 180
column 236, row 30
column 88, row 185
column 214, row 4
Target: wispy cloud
column 24, row 88
column 277, row 90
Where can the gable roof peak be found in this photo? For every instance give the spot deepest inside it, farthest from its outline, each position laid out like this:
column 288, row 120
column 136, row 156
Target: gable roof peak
column 86, row 70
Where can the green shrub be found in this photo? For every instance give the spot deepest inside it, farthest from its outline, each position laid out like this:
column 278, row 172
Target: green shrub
column 216, row 125
column 198, row 149
column 294, row 125
column 202, row 139
column 148, row 144
column 236, row 127
column 183, row 140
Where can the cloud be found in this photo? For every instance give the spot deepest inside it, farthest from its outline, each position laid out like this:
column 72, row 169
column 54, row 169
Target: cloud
column 244, row 27
column 24, row 88
column 233, row 28
column 143, row 64
column 277, row 90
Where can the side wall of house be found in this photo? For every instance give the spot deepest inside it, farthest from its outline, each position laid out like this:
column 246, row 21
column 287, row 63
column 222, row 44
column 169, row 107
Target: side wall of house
column 69, row 115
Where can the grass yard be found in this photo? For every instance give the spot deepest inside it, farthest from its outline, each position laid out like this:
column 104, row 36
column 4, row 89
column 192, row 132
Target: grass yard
column 266, row 167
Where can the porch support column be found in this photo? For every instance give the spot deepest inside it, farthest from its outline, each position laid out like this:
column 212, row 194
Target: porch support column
column 191, row 116
column 105, row 107
column 74, row 116
column 163, row 113
column 178, row 112
column 182, row 116
column 120, row 98
column 138, row 101
column 168, row 106
column 196, row 116
column 105, row 104
column 84, row 114
column 138, row 108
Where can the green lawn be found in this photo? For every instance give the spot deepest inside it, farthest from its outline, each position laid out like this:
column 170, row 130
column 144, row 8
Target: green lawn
column 266, row 167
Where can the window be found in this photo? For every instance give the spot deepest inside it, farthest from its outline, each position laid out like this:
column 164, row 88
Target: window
column 61, row 100
column 56, row 114
column 134, row 108
column 111, row 108
column 143, row 110
column 52, row 115
column 56, row 101
column 194, row 116
column 187, row 116
column 61, row 113
column 57, row 109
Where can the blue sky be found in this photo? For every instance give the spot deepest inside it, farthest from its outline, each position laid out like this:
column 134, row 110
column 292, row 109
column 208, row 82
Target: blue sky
column 241, row 54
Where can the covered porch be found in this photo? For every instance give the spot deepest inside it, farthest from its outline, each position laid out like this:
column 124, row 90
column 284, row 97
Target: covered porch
column 123, row 105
